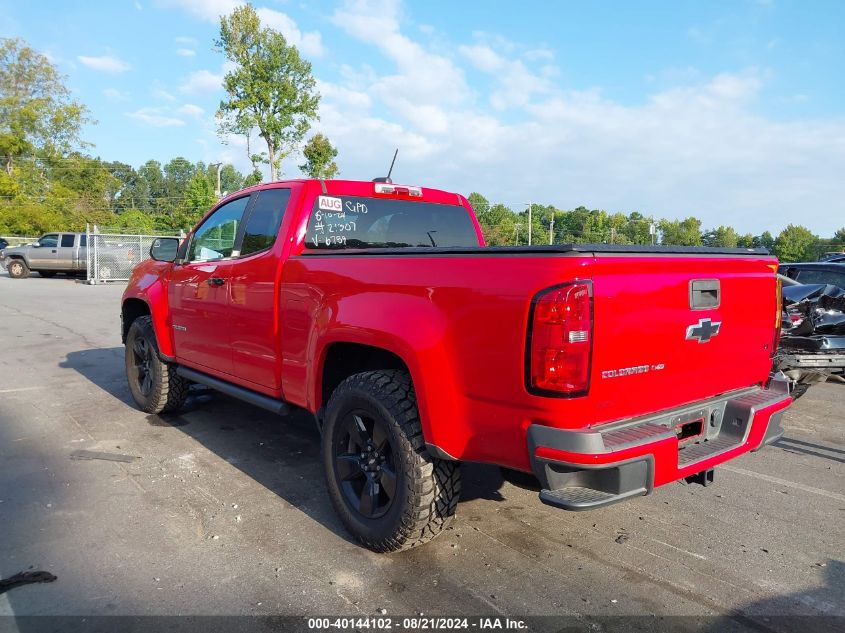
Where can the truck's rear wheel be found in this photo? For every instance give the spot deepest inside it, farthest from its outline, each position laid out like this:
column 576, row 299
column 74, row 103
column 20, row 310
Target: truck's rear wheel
column 17, row 269
column 386, row 488
column 155, row 385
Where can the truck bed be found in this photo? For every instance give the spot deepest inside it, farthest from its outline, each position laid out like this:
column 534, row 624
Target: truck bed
column 573, row 247
column 460, row 323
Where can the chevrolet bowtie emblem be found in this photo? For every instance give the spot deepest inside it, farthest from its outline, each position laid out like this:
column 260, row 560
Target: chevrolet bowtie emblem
column 703, row 331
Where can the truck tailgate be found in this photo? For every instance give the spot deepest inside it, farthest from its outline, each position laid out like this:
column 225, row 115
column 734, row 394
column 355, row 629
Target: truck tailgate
column 658, row 340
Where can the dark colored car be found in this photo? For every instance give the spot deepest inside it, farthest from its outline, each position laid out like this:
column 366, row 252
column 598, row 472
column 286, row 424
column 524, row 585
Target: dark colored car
column 827, row 272
column 812, row 344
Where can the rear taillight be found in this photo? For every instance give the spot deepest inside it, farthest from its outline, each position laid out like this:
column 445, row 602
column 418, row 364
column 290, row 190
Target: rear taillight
column 778, row 315
column 560, row 341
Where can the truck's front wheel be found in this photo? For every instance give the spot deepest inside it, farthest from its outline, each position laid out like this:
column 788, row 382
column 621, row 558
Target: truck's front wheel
column 18, row 269
column 155, row 385
column 386, row 488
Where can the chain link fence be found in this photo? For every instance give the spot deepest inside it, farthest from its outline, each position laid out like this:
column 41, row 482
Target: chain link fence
column 16, row 240
column 111, row 256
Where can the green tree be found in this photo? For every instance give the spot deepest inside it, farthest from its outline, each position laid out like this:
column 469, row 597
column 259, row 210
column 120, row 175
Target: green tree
column 37, row 114
column 794, row 244
column 765, row 240
column 319, row 157
column 723, row 236
column 253, row 178
column 199, row 196
column 745, row 241
column 681, row 232
column 178, row 172
column 637, row 230
column 270, row 87
column 479, row 203
column 230, row 179
column 135, row 220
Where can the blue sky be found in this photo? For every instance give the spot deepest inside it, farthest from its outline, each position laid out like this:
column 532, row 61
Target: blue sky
column 731, row 111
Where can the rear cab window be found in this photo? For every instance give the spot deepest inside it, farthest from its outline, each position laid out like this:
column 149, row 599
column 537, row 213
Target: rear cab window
column 355, row 222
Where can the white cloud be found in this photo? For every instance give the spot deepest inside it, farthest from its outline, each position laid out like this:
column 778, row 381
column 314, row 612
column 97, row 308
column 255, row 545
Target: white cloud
column 186, row 40
column 185, row 52
column 162, row 95
column 202, row 82
column 310, row 42
column 115, row 95
column 695, row 145
column 155, row 117
column 482, row 57
column 104, row 63
column 191, row 110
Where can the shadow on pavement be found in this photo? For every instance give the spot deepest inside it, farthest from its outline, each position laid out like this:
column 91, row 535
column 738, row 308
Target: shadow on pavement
column 808, row 448
column 280, row 453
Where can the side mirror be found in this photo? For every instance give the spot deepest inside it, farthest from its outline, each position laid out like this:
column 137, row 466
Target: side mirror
column 163, row 249
column 36, row 244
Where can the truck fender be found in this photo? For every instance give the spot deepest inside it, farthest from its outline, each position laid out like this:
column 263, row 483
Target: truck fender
column 150, row 288
column 414, row 330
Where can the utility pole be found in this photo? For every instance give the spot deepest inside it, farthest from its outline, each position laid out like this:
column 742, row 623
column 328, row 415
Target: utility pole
column 219, row 167
column 552, row 229
column 530, row 204
column 653, row 230
column 517, row 233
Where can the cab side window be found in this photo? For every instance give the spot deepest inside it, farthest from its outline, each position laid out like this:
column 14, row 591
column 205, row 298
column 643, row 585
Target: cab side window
column 264, row 219
column 50, row 241
column 67, row 239
column 215, row 238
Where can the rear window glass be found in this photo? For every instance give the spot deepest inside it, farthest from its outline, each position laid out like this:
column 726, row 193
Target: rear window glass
column 822, row 277
column 338, row 222
column 67, row 240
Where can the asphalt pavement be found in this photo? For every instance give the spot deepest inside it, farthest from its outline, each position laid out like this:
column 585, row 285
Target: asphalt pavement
column 222, row 510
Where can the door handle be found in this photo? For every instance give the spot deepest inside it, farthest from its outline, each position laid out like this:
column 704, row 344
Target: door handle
column 53, row 251
column 216, row 281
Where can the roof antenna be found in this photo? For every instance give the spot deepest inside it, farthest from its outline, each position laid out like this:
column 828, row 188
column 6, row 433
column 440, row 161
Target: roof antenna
column 386, row 179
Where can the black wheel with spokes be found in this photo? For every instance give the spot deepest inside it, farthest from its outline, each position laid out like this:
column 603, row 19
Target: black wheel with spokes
column 154, row 384
column 142, row 356
column 386, row 488
column 365, row 464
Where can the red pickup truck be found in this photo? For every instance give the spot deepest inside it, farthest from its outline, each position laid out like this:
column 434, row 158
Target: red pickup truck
column 604, row 370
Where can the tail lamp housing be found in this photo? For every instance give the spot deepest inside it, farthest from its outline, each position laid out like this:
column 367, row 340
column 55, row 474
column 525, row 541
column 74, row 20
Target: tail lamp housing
column 778, row 315
column 559, row 344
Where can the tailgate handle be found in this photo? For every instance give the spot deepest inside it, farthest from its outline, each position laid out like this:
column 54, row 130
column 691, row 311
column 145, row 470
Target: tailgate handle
column 704, row 293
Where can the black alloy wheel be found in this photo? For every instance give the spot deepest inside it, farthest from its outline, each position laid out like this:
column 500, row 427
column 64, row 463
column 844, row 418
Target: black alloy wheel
column 142, row 357
column 364, row 464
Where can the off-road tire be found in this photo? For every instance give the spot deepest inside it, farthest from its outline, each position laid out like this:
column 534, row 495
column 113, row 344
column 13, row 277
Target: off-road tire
column 17, row 269
column 165, row 391
column 426, row 489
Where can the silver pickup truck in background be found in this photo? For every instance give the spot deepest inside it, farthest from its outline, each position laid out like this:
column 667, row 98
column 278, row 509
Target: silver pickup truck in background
column 64, row 253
